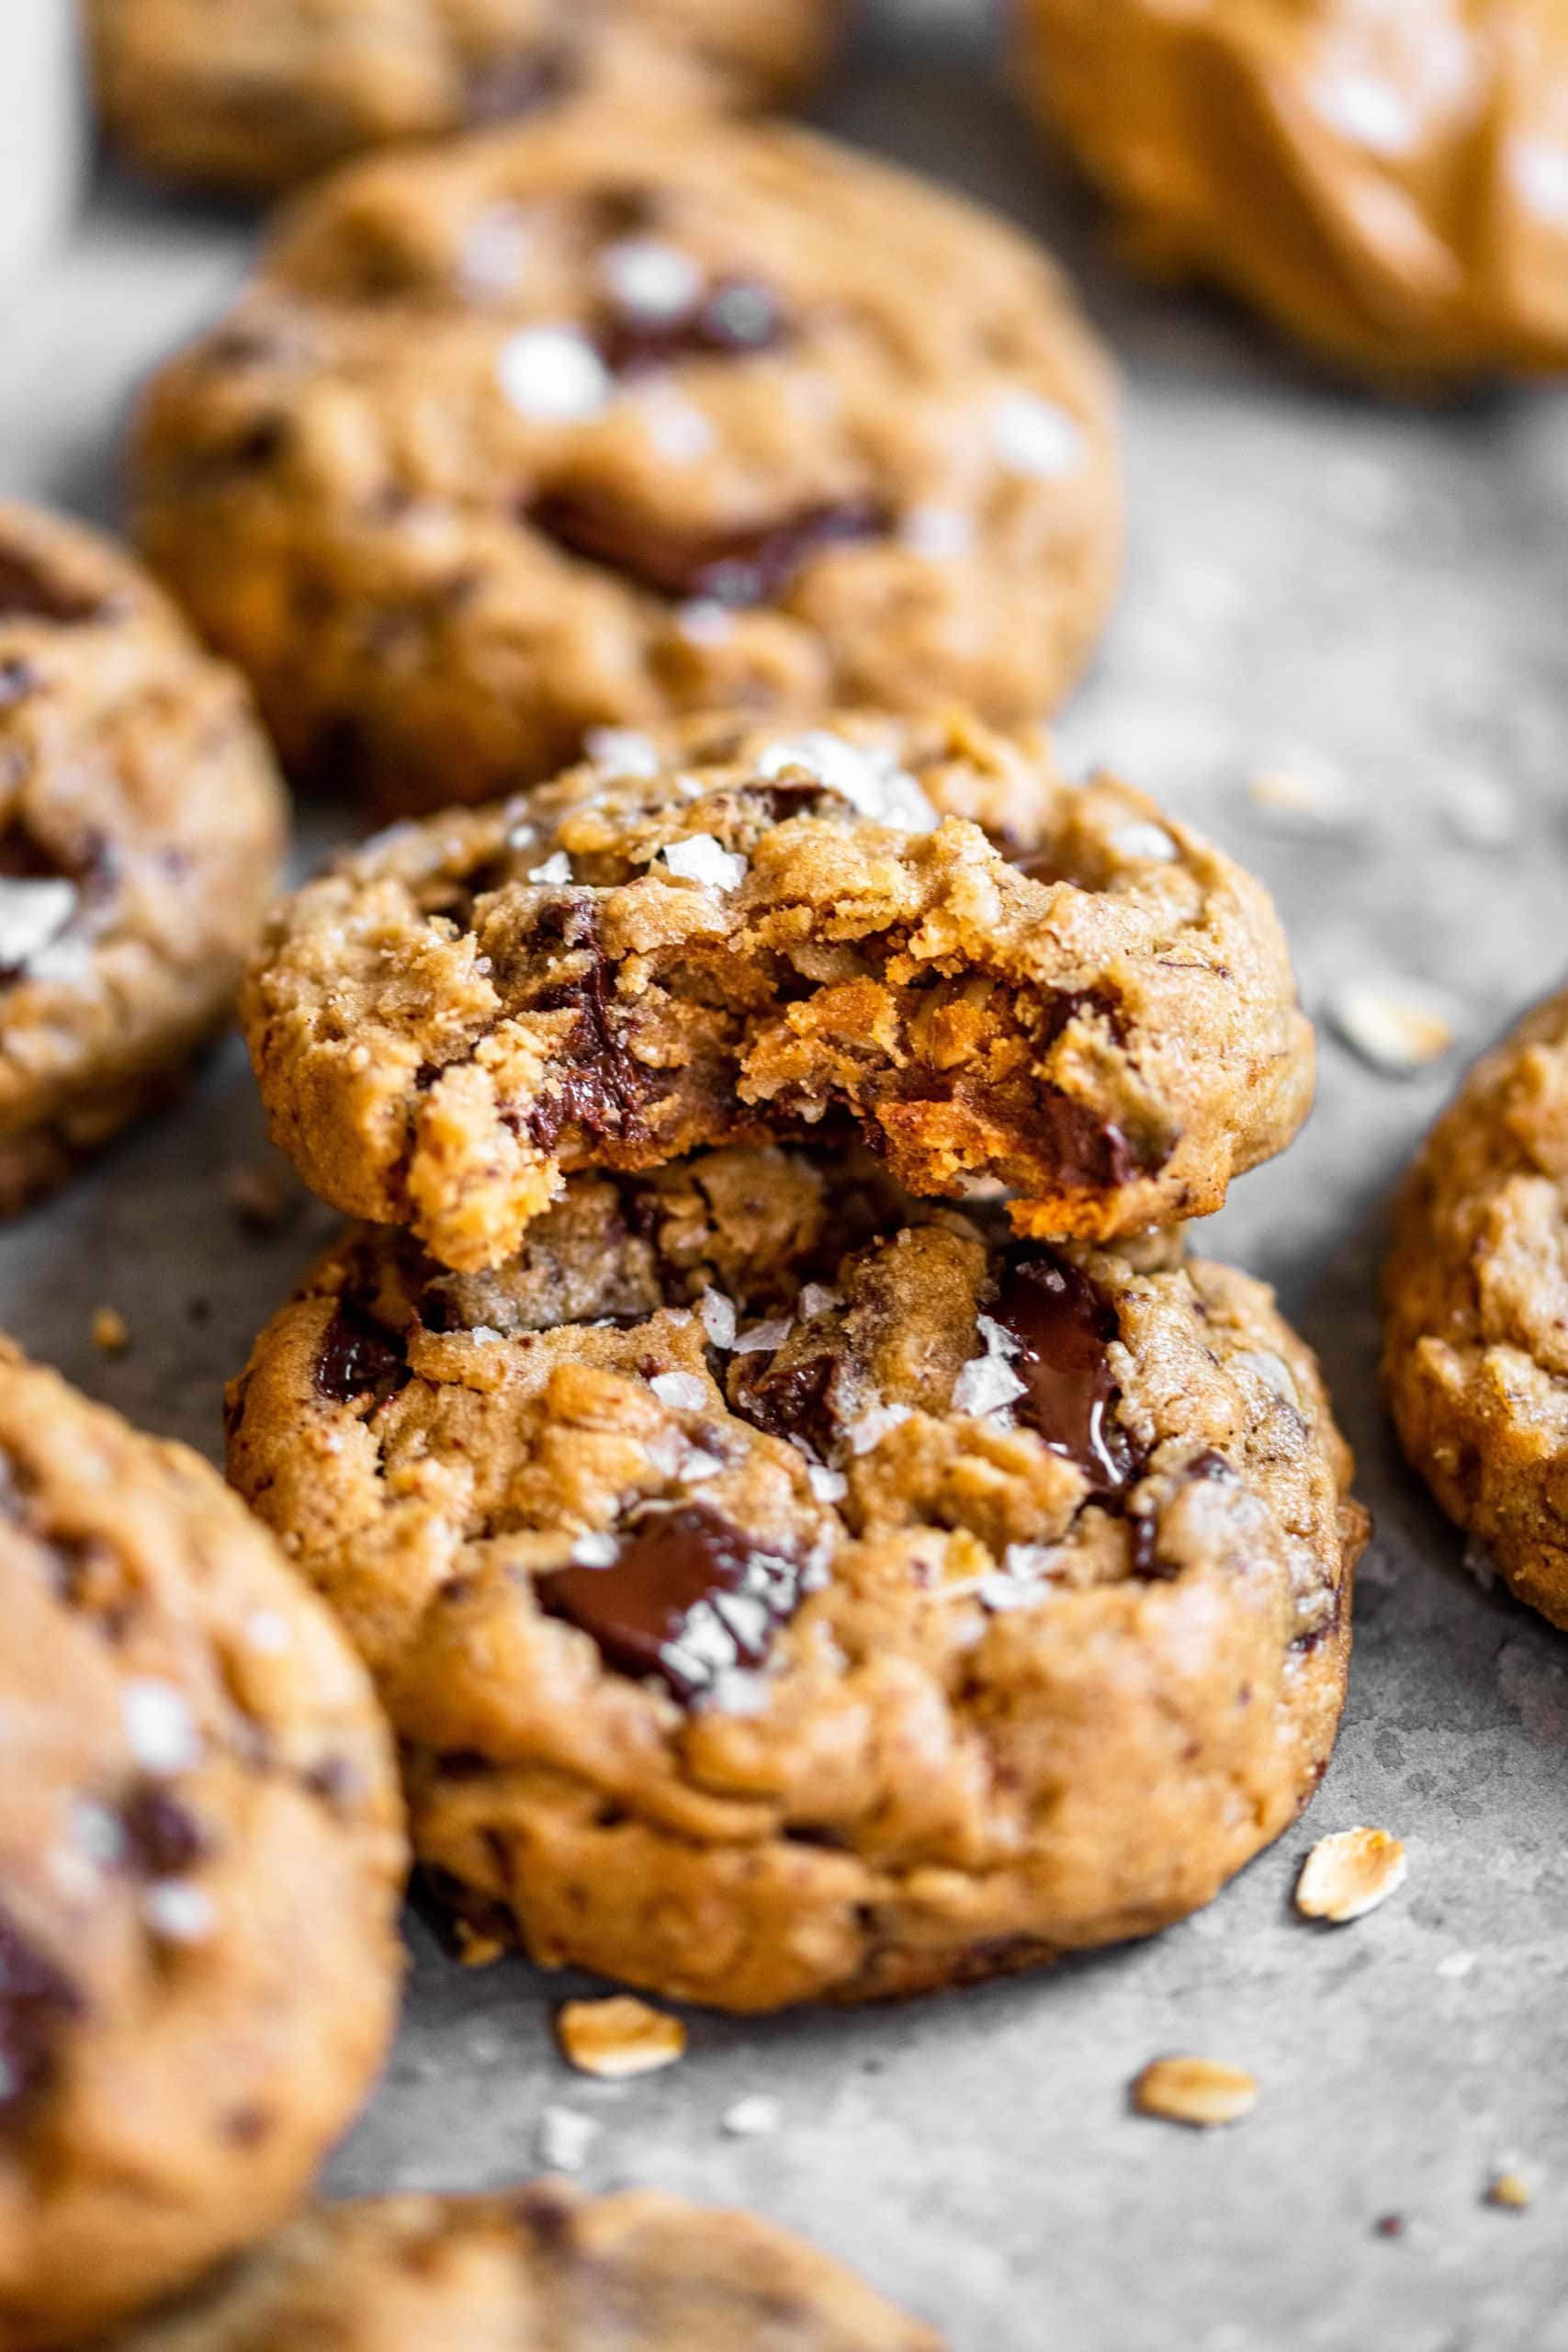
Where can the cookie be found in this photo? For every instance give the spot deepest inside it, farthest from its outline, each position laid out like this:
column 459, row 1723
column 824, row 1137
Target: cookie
column 784, row 1590
column 587, row 426
column 253, row 94
column 734, row 933
column 141, row 834
column 538, row 2267
column 1384, row 183
column 201, row 1855
column 1475, row 1363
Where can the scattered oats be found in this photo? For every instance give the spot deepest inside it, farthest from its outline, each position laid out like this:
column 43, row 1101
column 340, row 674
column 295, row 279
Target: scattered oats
column 596, row 1549
column 269, row 1631
column 942, row 534
column 158, row 1726
column 1482, row 813
column 700, row 858
column 33, row 914
column 1349, row 1874
column 1509, row 2190
column 653, row 279
column 1200, row 2091
column 764, row 1337
column 179, row 1913
column 553, row 375
column 1148, row 842
column 817, row 1299
column 1308, row 792
column 111, row 1332
column 477, row 1946
column 985, row 1384
column 718, row 1316
column 618, row 2036
column 1034, row 436
column 563, row 2139
column 877, row 1422
column 620, row 751
column 554, row 870
column 869, row 777
column 261, row 1195
column 704, row 621
column 699, row 1466
column 1391, row 1023
column 827, row 1486
column 753, row 2117
column 682, row 1391
column 1455, row 1964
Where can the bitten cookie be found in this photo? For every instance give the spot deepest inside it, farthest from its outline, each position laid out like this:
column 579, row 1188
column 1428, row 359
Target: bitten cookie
column 783, row 1590
column 537, row 2269
column 141, row 834
column 586, row 424
column 1386, row 183
column 736, row 934
column 255, row 94
column 201, row 1855
column 1476, row 1361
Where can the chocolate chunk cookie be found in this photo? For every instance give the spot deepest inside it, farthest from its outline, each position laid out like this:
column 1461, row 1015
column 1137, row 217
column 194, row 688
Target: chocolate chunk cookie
column 734, row 934
column 1387, row 183
column 587, row 425
column 201, row 1858
column 782, row 1590
column 255, row 94
column 1476, row 1361
column 538, row 2270
column 142, row 831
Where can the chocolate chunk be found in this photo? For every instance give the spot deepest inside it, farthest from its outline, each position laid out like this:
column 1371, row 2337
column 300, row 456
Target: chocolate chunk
column 738, row 568
column 518, row 82
column 36, row 1999
column 688, row 1597
column 163, row 1837
column 736, row 316
column 28, row 592
column 1063, row 1327
column 601, row 1092
column 358, row 1359
column 1086, row 1150
column 788, row 1399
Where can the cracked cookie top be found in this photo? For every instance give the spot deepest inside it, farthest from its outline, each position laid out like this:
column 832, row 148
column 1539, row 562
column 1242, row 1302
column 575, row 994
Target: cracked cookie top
column 587, row 426
column 833, row 1554
column 200, row 1860
column 730, row 934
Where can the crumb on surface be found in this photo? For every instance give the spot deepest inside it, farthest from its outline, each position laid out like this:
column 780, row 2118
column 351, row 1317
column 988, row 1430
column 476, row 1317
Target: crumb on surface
column 1203, row 2092
column 111, row 1332
column 618, row 2037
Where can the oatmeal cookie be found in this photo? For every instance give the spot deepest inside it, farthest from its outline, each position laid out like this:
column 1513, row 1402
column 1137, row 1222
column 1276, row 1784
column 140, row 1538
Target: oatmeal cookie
column 782, row 1590
column 732, row 934
column 580, row 426
column 1476, row 1362
column 141, row 833
column 540, row 2267
column 201, row 1854
column 1386, row 181
column 253, row 94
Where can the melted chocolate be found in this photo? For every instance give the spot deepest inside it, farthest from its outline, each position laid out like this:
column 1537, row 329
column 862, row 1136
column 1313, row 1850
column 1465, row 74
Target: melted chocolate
column 37, row 1998
column 688, row 1597
column 28, row 592
column 358, row 1359
column 736, row 316
column 601, row 1090
column 1084, row 1150
column 789, row 1400
column 1063, row 1327
column 737, row 568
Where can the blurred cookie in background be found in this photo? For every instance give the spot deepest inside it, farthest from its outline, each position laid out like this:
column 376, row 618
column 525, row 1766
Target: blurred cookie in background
column 257, row 93
column 1385, row 179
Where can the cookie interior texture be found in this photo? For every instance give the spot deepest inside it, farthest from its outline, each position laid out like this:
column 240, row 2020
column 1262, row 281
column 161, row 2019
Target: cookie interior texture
column 594, row 425
column 255, row 94
column 1385, row 183
column 733, row 934
column 637, row 2272
column 141, row 834
column 201, row 1856
column 1475, row 1362
column 782, row 1590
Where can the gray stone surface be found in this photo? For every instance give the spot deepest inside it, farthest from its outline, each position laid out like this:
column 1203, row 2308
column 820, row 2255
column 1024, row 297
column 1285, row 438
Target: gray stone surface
column 1316, row 581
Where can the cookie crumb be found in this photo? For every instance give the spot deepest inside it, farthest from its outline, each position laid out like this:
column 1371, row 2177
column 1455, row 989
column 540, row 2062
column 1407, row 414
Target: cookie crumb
column 1303, row 791
column 1349, row 1874
column 111, row 1332
column 477, row 1948
column 618, row 2037
column 1200, row 2091
column 1510, row 2190
column 751, row 2119
column 261, row 1196
column 1391, row 1023
column 564, row 2138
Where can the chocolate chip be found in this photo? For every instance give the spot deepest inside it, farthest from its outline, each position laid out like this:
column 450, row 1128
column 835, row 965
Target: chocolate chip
column 738, row 568
column 518, row 82
column 29, row 592
column 688, row 1597
column 1063, row 1328
column 163, row 1837
column 358, row 1359
column 36, row 1999
column 736, row 316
